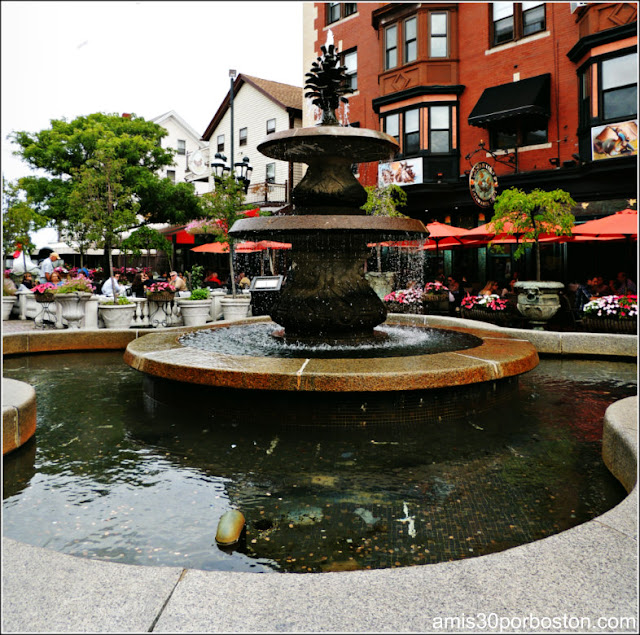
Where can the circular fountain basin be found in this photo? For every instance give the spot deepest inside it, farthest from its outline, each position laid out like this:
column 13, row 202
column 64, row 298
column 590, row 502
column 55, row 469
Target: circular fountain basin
column 162, row 355
column 303, row 144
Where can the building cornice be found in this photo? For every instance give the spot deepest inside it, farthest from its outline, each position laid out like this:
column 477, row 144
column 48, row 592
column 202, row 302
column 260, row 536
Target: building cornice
column 585, row 44
column 416, row 91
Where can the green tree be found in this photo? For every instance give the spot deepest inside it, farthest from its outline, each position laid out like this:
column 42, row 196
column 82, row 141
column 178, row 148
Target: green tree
column 146, row 238
column 384, row 201
column 62, row 150
column 220, row 209
column 19, row 221
column 102, row 202
column 530, row 215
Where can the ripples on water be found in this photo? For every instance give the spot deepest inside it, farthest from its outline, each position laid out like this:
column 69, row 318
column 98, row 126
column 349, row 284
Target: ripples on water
column 110, row 477
column 258, row 340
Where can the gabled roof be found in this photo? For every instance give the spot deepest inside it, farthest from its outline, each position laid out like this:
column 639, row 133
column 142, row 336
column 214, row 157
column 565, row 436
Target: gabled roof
column 172, row 113
column 288, row 97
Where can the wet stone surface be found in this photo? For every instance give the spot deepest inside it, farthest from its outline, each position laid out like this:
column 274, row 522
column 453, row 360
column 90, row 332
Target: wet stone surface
column 113, row 476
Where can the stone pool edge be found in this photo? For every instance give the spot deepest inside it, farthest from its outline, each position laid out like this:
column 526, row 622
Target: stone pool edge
column 587, row 572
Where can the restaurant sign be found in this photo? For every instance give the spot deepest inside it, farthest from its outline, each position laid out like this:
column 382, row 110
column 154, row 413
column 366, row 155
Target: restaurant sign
column 483, row 184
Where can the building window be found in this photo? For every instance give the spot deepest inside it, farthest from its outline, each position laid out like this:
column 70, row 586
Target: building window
column 438, row 46
column 411, row 129
column 410, row 40
column 350, row 60
column 243, row 137
column 391, row 47
column 439, row 129
column 171, row 175
column 503, row 24
column 619, row 87
column 392, row 126
column 271, row 173
column 518, row 135
column 182, row 146
column 515, row 20
column 350, row 8
column 220, row 143
column 532, row 17
column 271, row 126
column 338, row 10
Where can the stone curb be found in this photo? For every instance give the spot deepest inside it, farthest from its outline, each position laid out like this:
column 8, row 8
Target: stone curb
column 18, row 414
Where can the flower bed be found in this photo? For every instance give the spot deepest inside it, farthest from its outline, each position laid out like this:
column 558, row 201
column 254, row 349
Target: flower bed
column 612, row 314
column 488, row 308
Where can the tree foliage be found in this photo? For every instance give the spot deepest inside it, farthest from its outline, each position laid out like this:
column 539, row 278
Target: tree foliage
column 63, row 149
column 385, row 201
column 19, row 220
column 146, row 238
column 530, row 215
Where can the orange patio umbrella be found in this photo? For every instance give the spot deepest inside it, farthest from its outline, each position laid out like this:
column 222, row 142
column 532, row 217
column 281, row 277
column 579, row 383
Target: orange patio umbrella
column 621, row 225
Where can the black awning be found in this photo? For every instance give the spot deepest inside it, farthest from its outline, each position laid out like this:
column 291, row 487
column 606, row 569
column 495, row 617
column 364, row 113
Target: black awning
column 527, row 97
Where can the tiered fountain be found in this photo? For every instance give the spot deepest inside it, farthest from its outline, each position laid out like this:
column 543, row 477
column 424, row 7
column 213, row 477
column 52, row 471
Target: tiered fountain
column 327, row 308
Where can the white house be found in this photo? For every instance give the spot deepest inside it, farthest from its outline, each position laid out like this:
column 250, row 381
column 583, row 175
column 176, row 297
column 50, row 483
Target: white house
column 260, row 107
column 187, row 144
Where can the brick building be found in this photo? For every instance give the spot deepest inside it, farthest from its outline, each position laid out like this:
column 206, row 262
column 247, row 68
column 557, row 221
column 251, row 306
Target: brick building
column 545, row 93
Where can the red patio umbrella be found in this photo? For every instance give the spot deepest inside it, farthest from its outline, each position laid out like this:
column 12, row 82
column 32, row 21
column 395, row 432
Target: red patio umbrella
column 223, row 248
column 443, row 235
column 623, row 224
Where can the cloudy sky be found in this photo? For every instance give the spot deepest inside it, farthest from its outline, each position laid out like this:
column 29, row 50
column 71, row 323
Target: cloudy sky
column 65, row 59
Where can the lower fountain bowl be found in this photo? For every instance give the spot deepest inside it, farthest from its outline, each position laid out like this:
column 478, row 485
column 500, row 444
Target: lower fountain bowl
column 166, row 361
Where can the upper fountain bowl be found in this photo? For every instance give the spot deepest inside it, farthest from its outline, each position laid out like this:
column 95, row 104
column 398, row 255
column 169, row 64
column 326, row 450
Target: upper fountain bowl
column 305, row 145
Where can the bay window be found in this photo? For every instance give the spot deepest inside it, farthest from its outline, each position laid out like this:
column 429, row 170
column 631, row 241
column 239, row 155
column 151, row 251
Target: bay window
column 391, row 47
column 438, row 46
column 410, row 40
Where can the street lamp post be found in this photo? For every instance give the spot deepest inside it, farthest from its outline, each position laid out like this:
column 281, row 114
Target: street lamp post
column 232, row 75
column 241, row 171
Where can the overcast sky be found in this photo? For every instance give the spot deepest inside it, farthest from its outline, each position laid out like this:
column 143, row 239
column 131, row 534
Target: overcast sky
column 65, row 59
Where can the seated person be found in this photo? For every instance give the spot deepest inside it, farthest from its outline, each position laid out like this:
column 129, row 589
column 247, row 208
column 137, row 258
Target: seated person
column 178, row 283
column 212, row 281
column 600, row 287
column 139, row 285
column 243, row 281
column 623, row 286
column 111, row 286
column 491, row 288
column 55, row 279
column 27, row 282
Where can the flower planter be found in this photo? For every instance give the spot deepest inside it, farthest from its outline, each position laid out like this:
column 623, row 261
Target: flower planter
column 435, row 303
column 235, row 308
column 7, row 305
column 117, row 316
column 195, row 312
column 161, row 296
column 610, row 325
column 72, row 307
column 44, row 298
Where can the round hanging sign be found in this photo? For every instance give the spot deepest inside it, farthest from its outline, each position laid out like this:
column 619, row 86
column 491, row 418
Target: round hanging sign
column 483, row 184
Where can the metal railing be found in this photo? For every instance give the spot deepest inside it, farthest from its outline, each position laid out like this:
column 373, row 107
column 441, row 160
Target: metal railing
column 267, row 193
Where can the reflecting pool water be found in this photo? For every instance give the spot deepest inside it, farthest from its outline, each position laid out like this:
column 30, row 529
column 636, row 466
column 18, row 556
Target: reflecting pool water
column 112, row 475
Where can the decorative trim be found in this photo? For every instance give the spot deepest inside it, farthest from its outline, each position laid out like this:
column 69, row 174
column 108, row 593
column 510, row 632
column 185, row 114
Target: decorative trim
column 416, row 91
column 585, row 44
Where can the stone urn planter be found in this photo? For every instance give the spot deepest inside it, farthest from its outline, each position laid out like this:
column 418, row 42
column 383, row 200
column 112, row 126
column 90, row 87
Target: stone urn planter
column 117, row 316
column 382, row 283
column 538, row 301
column 72, row 307
column 216, row 308
column 195, row 312
column 7, row 305
column 499, row 318
column 235, row 308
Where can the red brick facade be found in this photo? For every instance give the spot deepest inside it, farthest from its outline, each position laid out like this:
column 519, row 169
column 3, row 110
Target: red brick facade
column 569, row 41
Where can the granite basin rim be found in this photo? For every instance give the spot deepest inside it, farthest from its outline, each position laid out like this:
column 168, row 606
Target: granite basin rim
column 161, row 355
column 321, row 142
